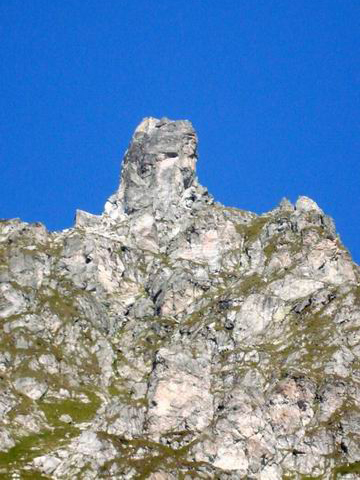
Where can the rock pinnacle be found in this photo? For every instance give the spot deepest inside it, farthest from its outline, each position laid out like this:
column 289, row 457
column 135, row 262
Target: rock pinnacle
column 159, row 166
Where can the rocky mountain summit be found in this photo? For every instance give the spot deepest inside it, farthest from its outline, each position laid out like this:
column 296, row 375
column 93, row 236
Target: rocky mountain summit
column 174, row 338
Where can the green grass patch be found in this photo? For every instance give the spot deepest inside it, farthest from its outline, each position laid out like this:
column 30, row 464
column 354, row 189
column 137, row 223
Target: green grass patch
column 251, row 284
column 61, row 305
column 34, row 445
column 58, row 435
column 344, row 469
column 252, row 230
column 79, row 411
column 156, row 457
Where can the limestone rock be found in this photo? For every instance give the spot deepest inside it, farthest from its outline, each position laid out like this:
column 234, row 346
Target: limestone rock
column 172, row 337
column 30, row 387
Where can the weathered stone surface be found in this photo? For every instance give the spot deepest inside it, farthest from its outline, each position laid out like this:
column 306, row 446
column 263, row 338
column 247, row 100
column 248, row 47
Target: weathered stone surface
column 172, row 337
column 6, row 442
column 179, row 395
column 30, row 387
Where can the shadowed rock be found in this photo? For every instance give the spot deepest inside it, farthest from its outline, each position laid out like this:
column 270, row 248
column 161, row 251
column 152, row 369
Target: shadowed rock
column 158, row 171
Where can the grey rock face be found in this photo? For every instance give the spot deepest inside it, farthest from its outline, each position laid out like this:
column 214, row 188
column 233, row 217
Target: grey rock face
column 30, row 387
column 179, row 394
column 172, row 337
column 158, row 167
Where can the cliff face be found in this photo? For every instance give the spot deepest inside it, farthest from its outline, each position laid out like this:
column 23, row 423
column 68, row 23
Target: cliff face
column 172, row 337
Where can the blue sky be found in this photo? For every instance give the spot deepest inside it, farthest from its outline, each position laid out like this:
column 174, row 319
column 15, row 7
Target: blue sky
column 271, row 86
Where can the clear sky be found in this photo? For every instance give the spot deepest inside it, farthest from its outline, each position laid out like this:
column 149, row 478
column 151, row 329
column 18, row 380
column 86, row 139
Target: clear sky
column 271, row 86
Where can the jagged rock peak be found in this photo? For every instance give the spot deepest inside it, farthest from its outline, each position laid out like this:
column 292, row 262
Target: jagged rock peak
column 174, row 338
column 158, row 173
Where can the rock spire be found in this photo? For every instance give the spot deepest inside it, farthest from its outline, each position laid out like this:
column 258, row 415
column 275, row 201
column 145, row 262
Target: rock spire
column 158, row 172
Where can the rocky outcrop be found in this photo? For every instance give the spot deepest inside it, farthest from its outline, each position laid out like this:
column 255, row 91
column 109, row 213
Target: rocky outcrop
column 172, row 337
